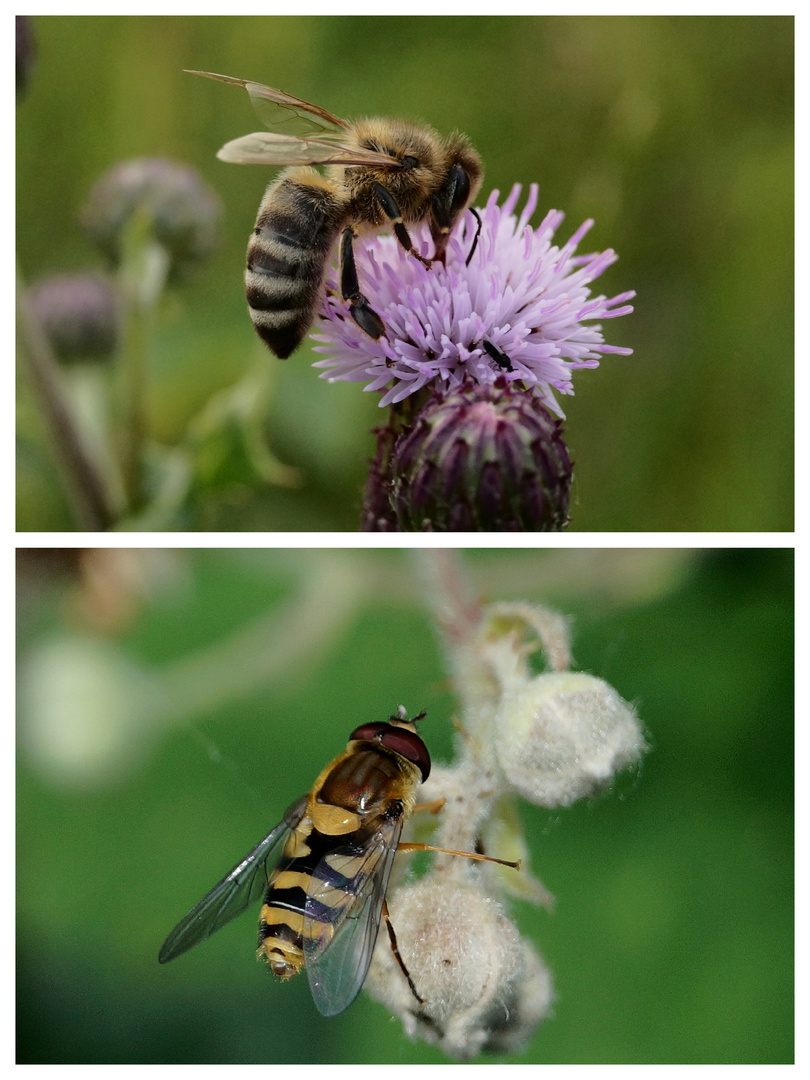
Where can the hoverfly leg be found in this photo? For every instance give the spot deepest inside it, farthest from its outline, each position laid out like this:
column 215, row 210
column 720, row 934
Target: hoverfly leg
column 359, row 308
column 394, row 215
column 464, row 854
column 392, row 937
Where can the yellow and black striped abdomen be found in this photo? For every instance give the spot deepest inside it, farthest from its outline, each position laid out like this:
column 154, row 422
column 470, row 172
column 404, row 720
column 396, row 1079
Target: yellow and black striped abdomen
column 281, row 924
column 298, row 222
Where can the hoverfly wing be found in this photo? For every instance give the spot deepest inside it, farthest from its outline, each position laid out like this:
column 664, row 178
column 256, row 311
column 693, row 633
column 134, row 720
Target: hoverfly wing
column 271, row 148
column 234, row 894
column 279, row 110
column 342, row 917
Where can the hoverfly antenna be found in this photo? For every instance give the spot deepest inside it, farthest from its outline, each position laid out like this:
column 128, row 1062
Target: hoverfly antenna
column 402, row 716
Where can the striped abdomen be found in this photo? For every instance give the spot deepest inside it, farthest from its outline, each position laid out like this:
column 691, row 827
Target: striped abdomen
column 298, row 222
column 329, row 845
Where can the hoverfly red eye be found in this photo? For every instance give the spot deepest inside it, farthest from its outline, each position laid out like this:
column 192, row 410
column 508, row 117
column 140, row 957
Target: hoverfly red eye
column 410, row 746
column 369, row 732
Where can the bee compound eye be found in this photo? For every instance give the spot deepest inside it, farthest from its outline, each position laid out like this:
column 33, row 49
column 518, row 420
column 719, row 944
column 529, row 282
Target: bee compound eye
column 408, row 745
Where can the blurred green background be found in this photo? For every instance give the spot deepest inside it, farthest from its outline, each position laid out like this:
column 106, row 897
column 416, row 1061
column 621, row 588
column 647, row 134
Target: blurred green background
column 674, row 134
column 173, row 703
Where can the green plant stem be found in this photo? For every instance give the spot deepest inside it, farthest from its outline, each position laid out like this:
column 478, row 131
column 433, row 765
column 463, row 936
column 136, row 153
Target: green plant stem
column 91, row 501
column 144, row 270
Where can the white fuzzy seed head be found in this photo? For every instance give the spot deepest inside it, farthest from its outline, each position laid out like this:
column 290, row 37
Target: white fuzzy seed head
column 484, row 988
column 564, row 735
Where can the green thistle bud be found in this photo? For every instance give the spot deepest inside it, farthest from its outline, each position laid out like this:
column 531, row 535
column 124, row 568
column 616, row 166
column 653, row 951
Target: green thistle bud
column 482, row 459
column 79, row 313
column 181, row 210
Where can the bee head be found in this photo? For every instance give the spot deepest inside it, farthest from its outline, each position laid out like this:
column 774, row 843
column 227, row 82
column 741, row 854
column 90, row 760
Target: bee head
column 398, row 734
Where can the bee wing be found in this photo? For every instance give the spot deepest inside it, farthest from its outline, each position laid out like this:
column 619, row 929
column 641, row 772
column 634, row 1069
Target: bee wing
column 234, row 894
column 279, row 110
column 342, row 917
column 270, row 148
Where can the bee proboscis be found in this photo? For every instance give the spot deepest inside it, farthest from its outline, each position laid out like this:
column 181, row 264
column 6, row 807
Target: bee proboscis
column 325, row 898
column 378, row 173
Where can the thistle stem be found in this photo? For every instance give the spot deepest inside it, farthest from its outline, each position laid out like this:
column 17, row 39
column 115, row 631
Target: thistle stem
column 144, row 270
column 90, row 499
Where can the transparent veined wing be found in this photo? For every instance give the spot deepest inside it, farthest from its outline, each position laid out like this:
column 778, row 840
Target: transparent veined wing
column 342, row 917
column 271, row 148
column 278, row 110
column 234, row 894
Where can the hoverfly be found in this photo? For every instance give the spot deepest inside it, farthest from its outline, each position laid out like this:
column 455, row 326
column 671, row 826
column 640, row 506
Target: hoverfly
column 325, row 898
column 380, row 173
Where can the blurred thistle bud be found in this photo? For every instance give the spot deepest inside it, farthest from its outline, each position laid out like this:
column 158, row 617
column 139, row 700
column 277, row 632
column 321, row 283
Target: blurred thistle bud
column 483, row 458
column 484, row 987
column 26, row 51
column 181, row 211
column 561, row 736
column 79, row 313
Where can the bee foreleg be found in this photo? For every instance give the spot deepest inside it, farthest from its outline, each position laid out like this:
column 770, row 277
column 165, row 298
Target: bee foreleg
column 431, row 807
column 394, row 214
column 392, row 937
column 359, row 308
column 477, row 217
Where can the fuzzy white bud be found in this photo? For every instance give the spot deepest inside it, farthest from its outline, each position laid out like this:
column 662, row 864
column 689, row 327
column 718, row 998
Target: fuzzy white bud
column 564, row 735
column 484, row 987
column 86, row 711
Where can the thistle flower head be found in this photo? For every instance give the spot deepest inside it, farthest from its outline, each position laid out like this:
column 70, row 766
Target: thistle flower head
column 482, row 458
column 80, row 314
column 521, row 310
column 181, row 210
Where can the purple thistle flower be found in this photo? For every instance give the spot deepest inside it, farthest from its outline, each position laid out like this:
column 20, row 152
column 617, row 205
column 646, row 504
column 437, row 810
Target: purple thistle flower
column 521, row 311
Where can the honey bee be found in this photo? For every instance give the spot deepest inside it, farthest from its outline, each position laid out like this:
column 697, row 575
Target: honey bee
column 379, row 172
column 325, row 898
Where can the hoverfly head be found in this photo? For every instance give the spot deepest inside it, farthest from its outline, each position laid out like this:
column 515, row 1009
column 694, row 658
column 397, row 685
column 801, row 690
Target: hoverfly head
column 399, row 734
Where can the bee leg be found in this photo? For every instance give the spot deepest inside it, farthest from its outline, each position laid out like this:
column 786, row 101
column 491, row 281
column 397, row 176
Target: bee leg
column 477, row 217
column 359, row 308
column 394, row 215
column 392, row 937
column 448, row 204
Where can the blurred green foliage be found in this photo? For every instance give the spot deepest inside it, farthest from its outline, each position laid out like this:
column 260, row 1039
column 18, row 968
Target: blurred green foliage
column 674, row 134
column 672, row 935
